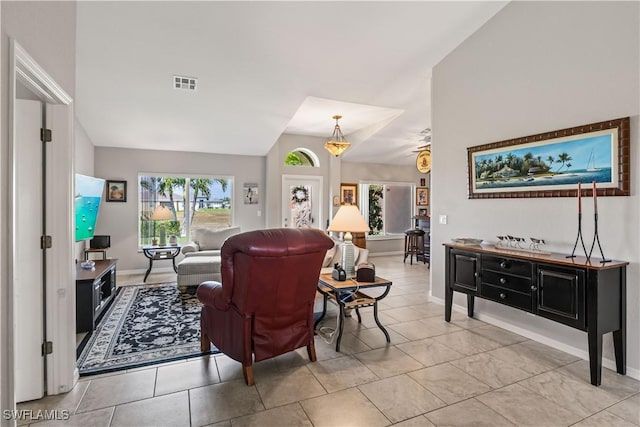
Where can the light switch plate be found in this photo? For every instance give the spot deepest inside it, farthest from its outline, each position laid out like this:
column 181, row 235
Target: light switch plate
column 442, row 219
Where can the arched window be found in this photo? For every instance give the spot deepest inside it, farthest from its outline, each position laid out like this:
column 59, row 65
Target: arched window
column 302, row 157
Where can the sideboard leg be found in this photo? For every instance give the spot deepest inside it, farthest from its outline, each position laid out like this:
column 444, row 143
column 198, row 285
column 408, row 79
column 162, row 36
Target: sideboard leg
column 470, row 301
column 595, row 356
column 448, row 301
column 619, row 346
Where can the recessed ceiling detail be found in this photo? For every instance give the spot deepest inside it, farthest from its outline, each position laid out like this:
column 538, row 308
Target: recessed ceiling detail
column 185, row 83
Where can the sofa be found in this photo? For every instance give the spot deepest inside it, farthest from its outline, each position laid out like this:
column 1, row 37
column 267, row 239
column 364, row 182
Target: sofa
column 334, row 255
column 202, row 256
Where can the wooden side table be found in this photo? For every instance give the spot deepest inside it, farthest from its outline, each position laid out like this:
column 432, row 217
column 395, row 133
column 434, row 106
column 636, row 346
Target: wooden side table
column 330, row 288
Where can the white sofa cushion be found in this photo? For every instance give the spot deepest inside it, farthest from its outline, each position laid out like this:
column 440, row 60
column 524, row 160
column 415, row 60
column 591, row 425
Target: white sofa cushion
column 208, row 239
column 360, row 256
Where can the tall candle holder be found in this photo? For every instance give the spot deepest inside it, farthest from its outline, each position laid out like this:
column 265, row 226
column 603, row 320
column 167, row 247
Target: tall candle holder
column 579, row 236
column 596, row 238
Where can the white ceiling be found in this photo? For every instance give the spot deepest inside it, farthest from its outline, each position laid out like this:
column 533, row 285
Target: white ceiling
column 263, row 69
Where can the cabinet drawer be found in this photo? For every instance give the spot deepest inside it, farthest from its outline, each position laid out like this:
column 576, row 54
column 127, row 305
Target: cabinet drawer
column 507, row 296
column 509, row 281
column 507, row 265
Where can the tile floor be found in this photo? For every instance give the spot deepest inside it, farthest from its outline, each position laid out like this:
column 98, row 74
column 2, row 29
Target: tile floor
column 433, row 373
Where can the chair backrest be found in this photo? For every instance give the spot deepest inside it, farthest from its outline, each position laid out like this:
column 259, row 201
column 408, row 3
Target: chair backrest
column 273, row 271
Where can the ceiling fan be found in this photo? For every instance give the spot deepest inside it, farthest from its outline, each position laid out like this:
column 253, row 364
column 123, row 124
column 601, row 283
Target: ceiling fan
column 426, row 140
column 423, row 161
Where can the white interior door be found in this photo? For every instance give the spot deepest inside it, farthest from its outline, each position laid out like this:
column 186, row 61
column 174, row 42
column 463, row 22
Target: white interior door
column 302, row 201
column 27, row 266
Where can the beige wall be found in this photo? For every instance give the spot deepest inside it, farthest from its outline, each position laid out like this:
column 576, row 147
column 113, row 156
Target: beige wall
column 47, row 31
column 120, row 220
column 536, row 67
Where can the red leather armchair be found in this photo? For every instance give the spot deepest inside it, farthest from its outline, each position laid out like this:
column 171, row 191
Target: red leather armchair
column 264, row 305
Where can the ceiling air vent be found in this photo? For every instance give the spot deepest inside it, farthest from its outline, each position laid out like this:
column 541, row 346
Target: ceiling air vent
column 185, row 83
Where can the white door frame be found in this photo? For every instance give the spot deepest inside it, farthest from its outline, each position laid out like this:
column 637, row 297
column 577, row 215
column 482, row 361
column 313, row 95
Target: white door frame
column 62, row 372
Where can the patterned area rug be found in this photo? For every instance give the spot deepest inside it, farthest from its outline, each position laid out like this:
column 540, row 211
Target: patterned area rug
column 147, row 324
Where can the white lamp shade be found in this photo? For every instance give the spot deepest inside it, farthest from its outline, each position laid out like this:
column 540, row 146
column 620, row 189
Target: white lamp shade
column 161, row 213
column 349, row 219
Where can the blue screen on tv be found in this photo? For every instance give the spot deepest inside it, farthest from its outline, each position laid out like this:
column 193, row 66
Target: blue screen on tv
column 87, row 203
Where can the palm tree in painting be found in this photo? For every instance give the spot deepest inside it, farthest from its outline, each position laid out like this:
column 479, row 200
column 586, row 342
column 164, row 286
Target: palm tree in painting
column 563, row 158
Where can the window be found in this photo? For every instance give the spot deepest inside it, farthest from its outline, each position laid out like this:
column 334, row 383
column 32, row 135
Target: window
column 388, row 207
column 302, row 157
column 193, row 202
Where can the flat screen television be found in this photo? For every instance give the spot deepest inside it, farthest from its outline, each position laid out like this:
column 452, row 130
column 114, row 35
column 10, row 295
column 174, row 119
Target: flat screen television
column 87, row 205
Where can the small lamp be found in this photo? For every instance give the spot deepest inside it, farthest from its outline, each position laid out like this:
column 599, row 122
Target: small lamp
column 348, row 219
column 162, row 213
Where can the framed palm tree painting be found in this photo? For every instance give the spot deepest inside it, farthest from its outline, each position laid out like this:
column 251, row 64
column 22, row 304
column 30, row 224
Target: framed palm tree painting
column 552, row 164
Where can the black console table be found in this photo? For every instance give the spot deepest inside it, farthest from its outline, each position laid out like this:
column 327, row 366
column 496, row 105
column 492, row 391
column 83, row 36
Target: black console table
column 582, row 294
column 95, row 290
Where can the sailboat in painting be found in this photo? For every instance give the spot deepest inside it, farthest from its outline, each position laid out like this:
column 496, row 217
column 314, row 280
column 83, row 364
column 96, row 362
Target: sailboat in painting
column 591, row 163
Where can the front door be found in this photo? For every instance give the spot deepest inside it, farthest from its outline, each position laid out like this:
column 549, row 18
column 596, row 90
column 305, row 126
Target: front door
column 302, row 201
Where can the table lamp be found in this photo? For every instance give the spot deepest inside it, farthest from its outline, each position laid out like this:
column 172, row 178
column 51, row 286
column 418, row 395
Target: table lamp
column 349, row 220
column 162, row 213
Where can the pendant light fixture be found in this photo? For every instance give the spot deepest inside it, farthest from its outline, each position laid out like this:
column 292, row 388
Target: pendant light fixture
column 337, row 145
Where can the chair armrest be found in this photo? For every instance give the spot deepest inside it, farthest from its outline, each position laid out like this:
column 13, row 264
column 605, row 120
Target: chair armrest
column 210, row 294
column 190, row 247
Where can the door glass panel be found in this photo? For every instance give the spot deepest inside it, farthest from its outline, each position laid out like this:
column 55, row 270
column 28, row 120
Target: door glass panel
column 301, row 206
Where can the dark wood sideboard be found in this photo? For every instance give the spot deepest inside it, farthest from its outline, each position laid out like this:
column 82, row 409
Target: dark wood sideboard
column 95, row 290
column 586, row 295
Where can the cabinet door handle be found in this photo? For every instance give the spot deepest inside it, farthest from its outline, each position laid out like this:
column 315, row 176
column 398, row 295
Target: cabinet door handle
column 503, row 280
column 534, row 288
column 503, row 295
column 504, row 264
column 476, row 274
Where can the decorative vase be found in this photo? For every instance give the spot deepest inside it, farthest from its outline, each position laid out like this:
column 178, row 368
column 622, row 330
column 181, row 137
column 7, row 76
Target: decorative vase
column 173, row 240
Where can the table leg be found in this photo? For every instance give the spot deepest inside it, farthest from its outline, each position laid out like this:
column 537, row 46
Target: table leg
column 595, row 356
column 341, row 320
column 148, row 270
column 619, row 347
column 359, row 317
column 375, row 317
column 324, row 311
column 173, row 260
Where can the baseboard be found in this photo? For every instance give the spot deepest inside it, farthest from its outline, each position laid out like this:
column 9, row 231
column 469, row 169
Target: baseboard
column 608, row 363
column 375, row 254
column 144, row 270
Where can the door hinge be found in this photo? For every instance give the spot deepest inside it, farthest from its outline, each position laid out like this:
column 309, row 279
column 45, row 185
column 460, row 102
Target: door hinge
column 45, row 242
column 47, row 347
column 45, row 135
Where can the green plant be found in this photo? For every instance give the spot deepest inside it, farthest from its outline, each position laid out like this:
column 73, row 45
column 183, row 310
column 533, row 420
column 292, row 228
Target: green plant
column 293, row 160
column 173, row 228
column 376, row 194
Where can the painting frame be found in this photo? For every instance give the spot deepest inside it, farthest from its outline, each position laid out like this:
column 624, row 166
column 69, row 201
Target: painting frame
column 348, row 194
column 611, row 137
column 116, row 190
column 250, row 193
column 422, row 196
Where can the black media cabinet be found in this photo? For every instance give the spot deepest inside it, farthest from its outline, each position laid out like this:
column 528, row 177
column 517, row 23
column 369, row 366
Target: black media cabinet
column 95, row 290
column 586, row 295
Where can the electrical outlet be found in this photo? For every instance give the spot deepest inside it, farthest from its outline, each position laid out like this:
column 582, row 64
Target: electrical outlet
column 442, row 219
column 259, row 213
